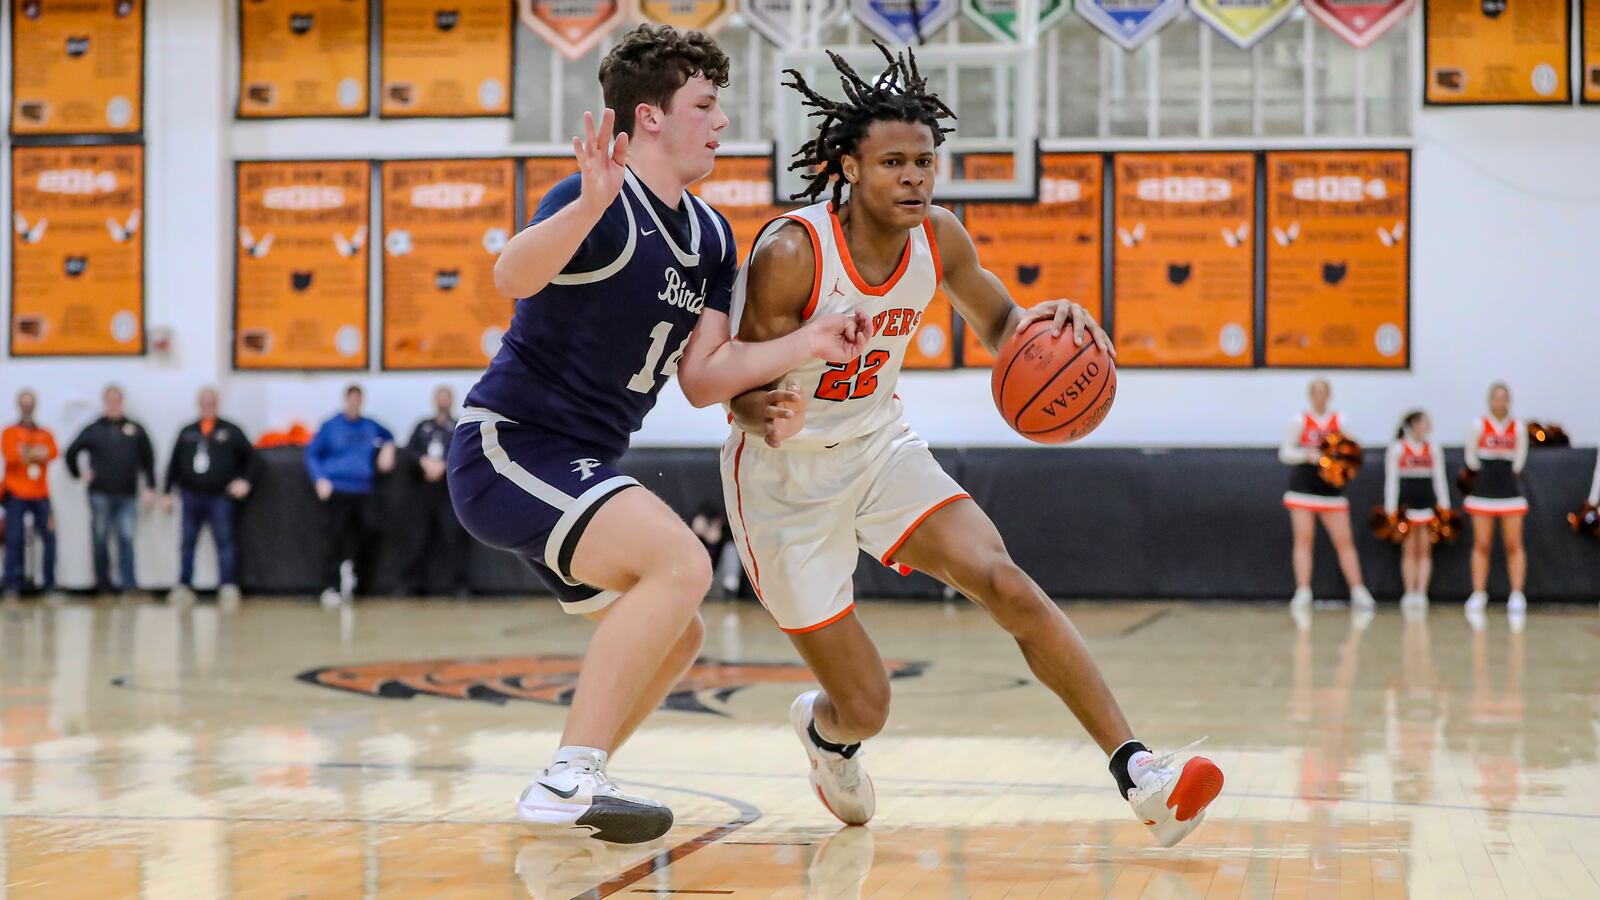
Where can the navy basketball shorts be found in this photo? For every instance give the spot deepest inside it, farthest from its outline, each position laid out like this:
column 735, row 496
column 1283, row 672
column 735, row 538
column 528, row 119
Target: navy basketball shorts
column 532, row 493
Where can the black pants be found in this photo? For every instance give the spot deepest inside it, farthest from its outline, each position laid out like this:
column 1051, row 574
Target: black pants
column 436, row 532
column 347, row 521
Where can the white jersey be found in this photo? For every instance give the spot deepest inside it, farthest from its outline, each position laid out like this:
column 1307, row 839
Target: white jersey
column 846, row 400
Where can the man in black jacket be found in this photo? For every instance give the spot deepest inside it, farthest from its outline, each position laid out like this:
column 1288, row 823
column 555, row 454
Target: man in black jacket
column 212, row 467
column 435, row 519
column 119, row 452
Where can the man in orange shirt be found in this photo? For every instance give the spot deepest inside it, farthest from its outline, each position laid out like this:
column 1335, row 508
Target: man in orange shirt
column 28, row 450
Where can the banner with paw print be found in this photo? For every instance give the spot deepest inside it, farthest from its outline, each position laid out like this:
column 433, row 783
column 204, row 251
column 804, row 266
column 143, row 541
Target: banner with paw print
column 1184, row 259
column 445, row 222
column 77, row 251
column 1338, row 258
column 300, row 279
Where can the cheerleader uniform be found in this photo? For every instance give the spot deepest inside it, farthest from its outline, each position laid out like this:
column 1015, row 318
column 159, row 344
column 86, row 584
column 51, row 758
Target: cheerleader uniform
column 1301, row 449
column 1414, row 478
column 1497, row 451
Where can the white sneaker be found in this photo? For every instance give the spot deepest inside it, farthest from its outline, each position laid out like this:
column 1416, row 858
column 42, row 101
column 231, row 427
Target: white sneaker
column 578, row 796
column 1517, row 603
column 332, row 599
column 1172, row 802
column 1301, row 599
column 1477, row 602
column 842, row 784
column 228, row 598
column 1414, row 607
column 1361, row 598
column 180, row 597
column 1361, row 617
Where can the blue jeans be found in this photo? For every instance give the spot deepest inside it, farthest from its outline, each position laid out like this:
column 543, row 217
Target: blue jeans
column 119, row 512
column 16, row 540
column 200, row 510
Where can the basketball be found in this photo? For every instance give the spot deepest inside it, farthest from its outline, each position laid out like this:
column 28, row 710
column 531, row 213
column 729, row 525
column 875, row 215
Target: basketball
column 1048, row 389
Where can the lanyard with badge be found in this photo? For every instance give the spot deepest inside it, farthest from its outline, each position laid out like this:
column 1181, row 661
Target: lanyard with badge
column 202, row 456
column 34, row 471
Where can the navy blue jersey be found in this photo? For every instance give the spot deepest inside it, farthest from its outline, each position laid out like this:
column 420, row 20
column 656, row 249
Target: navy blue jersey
column 586, row 356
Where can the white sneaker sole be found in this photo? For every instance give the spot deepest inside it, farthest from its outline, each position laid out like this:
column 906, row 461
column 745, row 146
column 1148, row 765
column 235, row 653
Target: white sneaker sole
column 847, row 809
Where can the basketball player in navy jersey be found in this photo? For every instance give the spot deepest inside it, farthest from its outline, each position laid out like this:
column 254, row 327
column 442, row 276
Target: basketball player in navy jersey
column 807, row 489
column 625, row 279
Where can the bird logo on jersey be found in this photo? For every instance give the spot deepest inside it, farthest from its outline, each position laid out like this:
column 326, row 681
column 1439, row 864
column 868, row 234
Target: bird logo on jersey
column 584, row 468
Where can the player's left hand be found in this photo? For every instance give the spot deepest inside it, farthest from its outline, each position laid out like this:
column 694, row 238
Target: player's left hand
column 839, row 337
column 1062, row 313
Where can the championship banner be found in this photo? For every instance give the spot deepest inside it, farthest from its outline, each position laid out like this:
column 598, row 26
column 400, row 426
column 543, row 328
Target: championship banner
column 904, row 22
column 1129, row 22
column 77, row 68
column 999, row 17
column 445, row 222
column 1489, row 52
column 1047, row 250
column 574, row 27
column 685, row 15
column 539, row 175
column 445, row 61
column 1359, row 22
column 740, row 188
column 1589, row 50
column 300, row 265
column 790, row 24
column 1184, row 259
column 303, row 58
column 933, row 343
column 1243, row 22
column 77, row 251
column 1338, row 258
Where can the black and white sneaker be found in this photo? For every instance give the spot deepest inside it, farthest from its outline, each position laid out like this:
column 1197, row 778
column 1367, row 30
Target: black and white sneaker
column 578, row 796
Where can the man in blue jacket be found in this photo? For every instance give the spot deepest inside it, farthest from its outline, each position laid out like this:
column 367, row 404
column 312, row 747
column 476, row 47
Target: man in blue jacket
column 344, row 458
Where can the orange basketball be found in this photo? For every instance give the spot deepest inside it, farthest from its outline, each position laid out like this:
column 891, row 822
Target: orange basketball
column 1050, row 390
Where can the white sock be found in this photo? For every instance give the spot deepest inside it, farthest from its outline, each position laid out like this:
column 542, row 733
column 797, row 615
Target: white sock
column 576, row 754
column 1139, row 763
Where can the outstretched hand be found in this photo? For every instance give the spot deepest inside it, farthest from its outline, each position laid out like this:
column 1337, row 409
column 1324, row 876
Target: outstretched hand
column 601, row 165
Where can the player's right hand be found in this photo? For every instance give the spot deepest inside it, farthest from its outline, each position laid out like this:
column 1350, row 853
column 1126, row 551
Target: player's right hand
column 785, row 414
column 839, row 337
column 601, row 166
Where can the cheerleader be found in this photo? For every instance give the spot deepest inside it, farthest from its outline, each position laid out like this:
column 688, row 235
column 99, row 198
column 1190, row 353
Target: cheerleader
column 1497, row 448
column 1311, row 499
column 1413, row 477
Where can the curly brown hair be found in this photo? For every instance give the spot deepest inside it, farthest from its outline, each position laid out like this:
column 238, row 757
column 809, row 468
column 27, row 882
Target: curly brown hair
column 651, row 62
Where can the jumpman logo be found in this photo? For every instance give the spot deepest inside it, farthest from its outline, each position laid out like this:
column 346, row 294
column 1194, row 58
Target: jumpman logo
column 585, row 468
column 836, row 289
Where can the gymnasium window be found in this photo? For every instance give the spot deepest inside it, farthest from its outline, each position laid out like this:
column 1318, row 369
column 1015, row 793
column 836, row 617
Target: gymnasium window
column 1187, row 85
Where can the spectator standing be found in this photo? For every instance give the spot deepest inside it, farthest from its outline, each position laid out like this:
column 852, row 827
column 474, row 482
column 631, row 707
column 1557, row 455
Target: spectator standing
column 28, row 450
column 211, row 469
column 344, row 459
column 119, row 455
column 433, row 518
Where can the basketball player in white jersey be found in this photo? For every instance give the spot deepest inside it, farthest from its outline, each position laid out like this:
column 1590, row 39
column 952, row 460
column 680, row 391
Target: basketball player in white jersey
column 807, row 489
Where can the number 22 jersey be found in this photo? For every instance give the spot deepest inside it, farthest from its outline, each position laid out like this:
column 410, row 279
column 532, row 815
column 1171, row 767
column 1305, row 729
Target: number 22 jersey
column 586, row 356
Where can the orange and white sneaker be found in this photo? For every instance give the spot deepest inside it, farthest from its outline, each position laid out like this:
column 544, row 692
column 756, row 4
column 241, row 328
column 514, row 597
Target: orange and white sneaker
column 1172, row 802
column 841, row 782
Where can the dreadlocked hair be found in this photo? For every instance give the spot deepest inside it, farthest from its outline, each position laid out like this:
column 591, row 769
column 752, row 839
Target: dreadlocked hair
column 900, row 94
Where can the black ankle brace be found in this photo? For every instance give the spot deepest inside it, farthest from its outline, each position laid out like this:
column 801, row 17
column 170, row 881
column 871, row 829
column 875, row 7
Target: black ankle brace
column 845, row 750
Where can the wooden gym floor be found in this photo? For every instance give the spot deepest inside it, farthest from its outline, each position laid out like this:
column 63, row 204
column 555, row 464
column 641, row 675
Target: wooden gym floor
column 282, row 751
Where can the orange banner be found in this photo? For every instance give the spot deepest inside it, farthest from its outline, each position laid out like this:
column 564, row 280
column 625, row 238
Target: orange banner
column 303, row 58
column 685, row 15
column 1184, row 259
column 1495, row 51
column 77, row 68
column 933, row 345
column 741, row 189
column 300, row 272
column 539, row 175
column 1338, row 258
column 450, row 62
column 445, row 222
column 1589, row 50
column 77, row 251
column 1047, row 250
